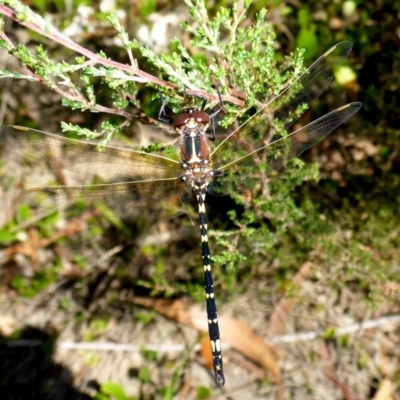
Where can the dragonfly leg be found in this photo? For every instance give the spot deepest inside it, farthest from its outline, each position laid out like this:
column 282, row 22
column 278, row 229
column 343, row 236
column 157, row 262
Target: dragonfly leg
column 162, row 116
column 216, row 112
column 213, row 115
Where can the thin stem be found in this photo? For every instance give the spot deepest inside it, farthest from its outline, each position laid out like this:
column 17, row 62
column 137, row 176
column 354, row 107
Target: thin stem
column 139, row 76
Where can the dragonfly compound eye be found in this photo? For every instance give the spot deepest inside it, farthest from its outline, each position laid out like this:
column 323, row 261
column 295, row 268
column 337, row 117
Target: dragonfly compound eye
column 201, row 117
column 181, row 120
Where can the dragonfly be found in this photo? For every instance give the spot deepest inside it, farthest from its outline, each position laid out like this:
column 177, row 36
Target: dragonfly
column 136, row 181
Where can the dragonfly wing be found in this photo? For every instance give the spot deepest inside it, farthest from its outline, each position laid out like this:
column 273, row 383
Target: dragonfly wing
column 273, row 156
column 285, row 109
column 143, row 199
column 310, row 85
column 108, row 164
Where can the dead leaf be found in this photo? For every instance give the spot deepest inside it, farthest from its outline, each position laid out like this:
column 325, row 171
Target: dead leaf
column 244, row 340
column 205, row 352
column 8, row 325
column 385, row 391
column 285, row 306
column 234, row 332
column 330, row 372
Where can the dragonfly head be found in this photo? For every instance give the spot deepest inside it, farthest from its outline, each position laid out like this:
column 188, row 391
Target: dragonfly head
column 191, row 120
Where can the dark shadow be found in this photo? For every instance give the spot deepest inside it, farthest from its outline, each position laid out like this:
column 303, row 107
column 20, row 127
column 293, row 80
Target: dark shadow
column 28, row 372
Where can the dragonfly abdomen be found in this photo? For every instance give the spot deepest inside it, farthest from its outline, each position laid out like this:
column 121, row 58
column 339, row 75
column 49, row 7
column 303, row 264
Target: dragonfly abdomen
column 213, row 328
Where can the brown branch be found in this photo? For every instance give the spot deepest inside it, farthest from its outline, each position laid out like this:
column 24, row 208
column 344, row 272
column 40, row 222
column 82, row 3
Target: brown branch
column 139, row 76
column 67, row 95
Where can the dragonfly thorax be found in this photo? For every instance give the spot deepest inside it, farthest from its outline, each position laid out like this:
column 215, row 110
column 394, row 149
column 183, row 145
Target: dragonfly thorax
column 192, row 125
column 195, row 149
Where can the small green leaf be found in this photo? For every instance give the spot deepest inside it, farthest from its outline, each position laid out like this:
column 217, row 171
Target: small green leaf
column 145, row 318
column 144, row 375
column 308, row 40
column 6, row 236
column 345, row 75
column 115, row 390
column 147, row 7
column 150, row 355
column 203, row 393
column 304, row 17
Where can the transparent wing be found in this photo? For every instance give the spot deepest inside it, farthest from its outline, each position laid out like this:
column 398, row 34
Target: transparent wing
column 273, row 156
column 148, row 185
column 285, row 109
column 142, row 199
column 109, row 164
